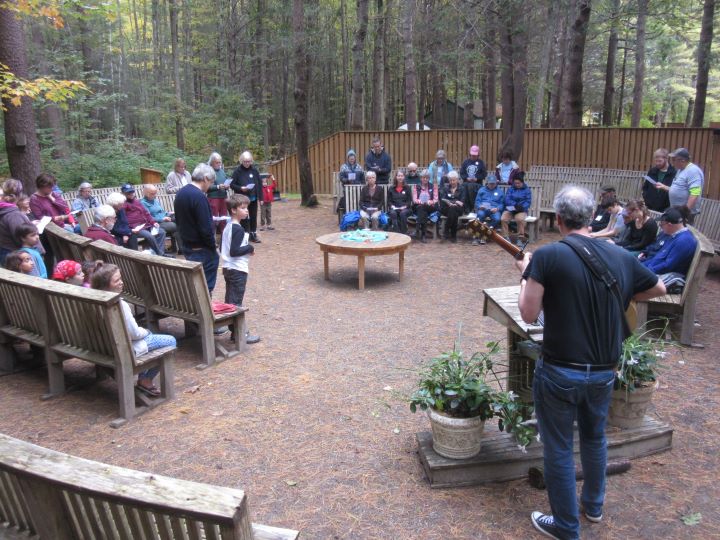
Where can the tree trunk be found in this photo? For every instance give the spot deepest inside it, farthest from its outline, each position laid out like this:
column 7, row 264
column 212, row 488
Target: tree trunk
column 573, row 83
column 555, row 113
column 703, row 59
column 490, row 102
column 302, row 73
column 621, row 97
column 179, row 128
column 550, row 31
column 513, row 56
column 189, row 85
column 357, row 109
column 408, row 15
column 378, row 68
column 609, row 92
column 469, row 79
column 21, row 143
column 639, row 64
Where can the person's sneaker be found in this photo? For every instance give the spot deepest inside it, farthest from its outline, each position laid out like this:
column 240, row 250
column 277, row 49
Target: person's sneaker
column 262, row 228
column 475, row 242
column 594, row 519
column 270, row 228
column 545, row 524
column 251, row 340
column 483, row 241
column 220, row 331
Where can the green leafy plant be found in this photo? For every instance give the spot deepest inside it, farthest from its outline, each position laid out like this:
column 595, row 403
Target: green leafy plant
column 459, row 387
column 639, row 363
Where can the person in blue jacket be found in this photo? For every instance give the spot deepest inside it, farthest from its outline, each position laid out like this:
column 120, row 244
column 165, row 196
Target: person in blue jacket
column 678, row 247
column 518, row 199
column 489, row 202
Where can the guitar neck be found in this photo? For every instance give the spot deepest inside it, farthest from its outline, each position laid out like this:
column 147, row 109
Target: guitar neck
column 512, row 249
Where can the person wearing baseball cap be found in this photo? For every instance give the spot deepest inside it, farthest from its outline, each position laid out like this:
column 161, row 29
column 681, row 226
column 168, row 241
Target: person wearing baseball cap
column 678, row 246
column 472, row 172
column 686, row 187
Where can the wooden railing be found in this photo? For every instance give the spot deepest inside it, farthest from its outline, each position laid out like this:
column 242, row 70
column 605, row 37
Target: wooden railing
column 607, row 148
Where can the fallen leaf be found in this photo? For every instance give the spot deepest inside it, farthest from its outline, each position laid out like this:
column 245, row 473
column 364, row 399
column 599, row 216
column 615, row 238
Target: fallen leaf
column 217, row 413
column 396, row 430
column 388, row 388
column 291, row 482
column 185, row 410
column 193, row 389
column 692, row 519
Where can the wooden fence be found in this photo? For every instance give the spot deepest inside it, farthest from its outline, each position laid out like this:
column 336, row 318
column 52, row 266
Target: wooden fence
column 610, row 148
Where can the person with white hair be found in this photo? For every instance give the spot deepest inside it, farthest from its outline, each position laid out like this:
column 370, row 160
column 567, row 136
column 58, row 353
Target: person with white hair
column 193, row 217
column 178, row 177
column 85, row 199
column 246, row 180
column 217, row 193
column 103, row 223
column 439, row 168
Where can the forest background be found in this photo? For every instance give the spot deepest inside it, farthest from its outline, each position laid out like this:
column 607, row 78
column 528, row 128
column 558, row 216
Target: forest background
column 169, row 78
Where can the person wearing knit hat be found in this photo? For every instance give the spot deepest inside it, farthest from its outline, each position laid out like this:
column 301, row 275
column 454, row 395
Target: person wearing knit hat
column 69, row 272
column 351, row 172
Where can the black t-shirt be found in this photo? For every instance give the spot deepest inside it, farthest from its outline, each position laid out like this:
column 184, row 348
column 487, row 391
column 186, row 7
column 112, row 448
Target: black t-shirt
column 582, row 316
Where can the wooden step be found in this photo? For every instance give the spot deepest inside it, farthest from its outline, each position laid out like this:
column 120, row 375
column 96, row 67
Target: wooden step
column 500, row 459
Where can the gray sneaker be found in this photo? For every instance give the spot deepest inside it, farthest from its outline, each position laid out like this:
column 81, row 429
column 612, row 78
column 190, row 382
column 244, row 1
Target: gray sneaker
column 220, row 331
column 251, row 340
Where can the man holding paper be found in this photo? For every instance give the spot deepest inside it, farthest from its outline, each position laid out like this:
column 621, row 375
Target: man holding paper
column 656, row 198
column 246, row 181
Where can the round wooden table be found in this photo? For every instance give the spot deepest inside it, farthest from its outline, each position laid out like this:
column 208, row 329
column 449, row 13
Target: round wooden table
column 332, row 243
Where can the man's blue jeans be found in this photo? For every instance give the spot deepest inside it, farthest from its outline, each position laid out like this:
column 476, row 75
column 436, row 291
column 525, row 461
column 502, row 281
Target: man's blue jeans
column 210, row 261
column 494, row 217
column 561, row 396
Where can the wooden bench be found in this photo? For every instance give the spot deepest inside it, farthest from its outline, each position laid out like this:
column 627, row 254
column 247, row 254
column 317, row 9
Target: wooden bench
column 686, row 302
column 66, row 245
column 174, row 288
column 708, row 221
column 68, row 321
column 48, row 495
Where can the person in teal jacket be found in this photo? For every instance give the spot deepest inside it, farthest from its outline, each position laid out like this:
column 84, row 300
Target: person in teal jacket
column 518, row 199
column 439, row 168
column 489, row 202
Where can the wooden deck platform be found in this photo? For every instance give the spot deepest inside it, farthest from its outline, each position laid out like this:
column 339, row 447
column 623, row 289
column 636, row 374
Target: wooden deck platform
column 500, row 460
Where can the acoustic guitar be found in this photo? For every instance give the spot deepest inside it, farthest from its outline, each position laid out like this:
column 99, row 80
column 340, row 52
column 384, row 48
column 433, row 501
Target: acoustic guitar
column 482, row 228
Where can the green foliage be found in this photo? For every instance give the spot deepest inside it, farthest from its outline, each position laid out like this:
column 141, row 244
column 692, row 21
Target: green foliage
column 228, row 124
column 639, row 360
column 114, row 162
column 459, row 387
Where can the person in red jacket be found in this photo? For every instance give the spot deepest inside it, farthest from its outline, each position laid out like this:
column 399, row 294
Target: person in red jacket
column 268, row 190
column 141, row 222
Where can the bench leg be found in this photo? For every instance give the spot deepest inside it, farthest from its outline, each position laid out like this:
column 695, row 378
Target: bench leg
column 7, row 358
column 688, row 327
column 126, row 394
column 56, row 377
column 167, row 376
column 642, row 314
column 208, row 346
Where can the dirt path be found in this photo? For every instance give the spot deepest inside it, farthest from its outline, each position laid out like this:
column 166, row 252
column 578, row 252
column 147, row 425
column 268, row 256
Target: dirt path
column 304, row 424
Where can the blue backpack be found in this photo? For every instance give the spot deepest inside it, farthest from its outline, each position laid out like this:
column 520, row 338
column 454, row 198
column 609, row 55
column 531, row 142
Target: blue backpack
column 349, row 219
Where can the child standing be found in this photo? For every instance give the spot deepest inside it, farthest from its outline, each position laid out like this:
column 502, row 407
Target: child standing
column 235, row 253
column 26, row 234
column 268, row 191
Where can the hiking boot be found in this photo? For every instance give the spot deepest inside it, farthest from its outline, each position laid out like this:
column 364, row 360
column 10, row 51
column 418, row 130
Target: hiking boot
column 545, row 524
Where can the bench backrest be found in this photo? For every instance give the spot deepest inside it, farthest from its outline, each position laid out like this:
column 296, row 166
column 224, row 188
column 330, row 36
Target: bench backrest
column 61, row 497
column 708, row 220
column 67, row 245
column 167, row 201
column 22, row 312
column 172, row 287
column 699, row 265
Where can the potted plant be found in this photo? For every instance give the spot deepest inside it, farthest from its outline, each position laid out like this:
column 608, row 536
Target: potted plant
column 458, row 397
column 636, row 379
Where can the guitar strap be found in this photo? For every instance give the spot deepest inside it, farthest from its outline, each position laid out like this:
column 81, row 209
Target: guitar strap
column 600, row 270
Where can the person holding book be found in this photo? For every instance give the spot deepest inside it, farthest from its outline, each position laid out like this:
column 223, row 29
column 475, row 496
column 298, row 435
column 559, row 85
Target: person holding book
column 371, row 202
column 452, row 205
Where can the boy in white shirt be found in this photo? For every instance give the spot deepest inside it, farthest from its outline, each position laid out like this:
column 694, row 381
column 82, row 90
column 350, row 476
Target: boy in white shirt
column 235, row 254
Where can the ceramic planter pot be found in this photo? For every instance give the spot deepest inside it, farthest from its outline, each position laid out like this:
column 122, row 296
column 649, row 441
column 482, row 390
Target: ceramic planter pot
column 627, row 409
column 455, row 438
